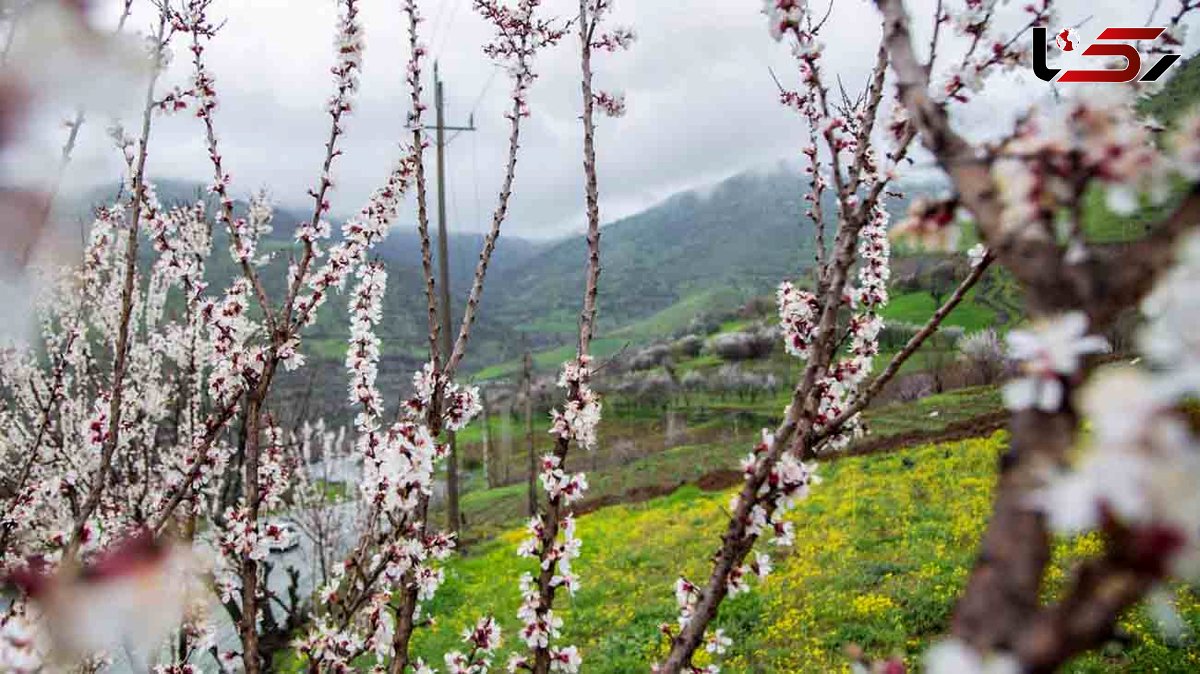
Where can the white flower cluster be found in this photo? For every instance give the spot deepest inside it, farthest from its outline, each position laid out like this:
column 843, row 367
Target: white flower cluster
column 460, row 404
column 248, row 230
column 1141, row 471
column 759, row 568
column 182, row 241
column 992, row 49
column 976, row 254
column 565, row 660
column 562, row 487
column 687, row 595
column 539, row 625
column 837, row 388
column 397, row 466
column 241, row 537
column 410, row 559
column 874, row 271
column 611, row 104
column 581, row 416
column 784, row 16
column 483, row 640
column 557, row 558
column 614, row 40
column 230, row 329
column 799, row 312
column 359, row 235
column 1049, row 355
column 362, row 358
column 787, row 483
column 334, row 648
column 275, row 469
column 1098, row 137
column 197, row 469
column 349, row 47
column 557, row 546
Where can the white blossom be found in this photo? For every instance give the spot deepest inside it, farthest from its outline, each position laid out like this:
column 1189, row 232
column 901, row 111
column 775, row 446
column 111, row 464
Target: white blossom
column 1048, row 354
column 952, row 656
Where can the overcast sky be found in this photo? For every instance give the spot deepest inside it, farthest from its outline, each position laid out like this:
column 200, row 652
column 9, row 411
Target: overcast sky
column 702, row 104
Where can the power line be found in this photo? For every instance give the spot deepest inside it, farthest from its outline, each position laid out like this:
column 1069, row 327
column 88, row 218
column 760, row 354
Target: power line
column 478, row 99
column 454, row 5
column 437, row 20
column 475, row 178
column 486, row 86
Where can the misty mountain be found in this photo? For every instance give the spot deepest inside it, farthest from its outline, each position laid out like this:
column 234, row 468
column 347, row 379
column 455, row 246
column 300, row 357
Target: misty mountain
column 745, row 233
column 740, row 237
column 743, row 236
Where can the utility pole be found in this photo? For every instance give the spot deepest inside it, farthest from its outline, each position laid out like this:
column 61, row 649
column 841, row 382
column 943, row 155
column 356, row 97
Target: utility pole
column 527, row 386
column 489, row 460
column 452, row 487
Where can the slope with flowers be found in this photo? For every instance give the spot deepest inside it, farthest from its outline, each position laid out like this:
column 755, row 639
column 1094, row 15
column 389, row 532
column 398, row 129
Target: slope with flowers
column 881, row 551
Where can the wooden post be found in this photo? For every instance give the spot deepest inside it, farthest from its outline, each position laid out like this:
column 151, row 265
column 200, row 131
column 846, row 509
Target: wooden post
column 527, row 385
column 489, row 461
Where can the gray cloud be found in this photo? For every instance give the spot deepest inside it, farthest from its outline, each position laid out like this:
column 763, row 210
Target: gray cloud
column 702, row 104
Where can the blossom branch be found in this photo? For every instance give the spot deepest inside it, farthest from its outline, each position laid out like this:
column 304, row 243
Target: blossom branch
column 345, row 71
column 121, row 350
column 203, row 90
column 910, row 348
column 34, row 453
column 775, row 474
column 581, row 411
column 419, row 143
column 520, row 35
column 1071, row 294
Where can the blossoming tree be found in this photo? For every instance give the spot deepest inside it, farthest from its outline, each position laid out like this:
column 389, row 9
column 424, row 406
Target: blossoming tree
column 145, row 412
column 834, row 324
column 148, row 425
column 1136, row 480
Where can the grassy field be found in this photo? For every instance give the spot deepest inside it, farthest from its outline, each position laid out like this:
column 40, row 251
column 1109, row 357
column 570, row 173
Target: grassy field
column 916, row 307
column 550, row 359
column 678, row 316
column 714, row 441
column 883, row 546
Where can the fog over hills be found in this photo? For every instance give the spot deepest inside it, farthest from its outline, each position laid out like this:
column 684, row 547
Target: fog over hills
column 731, row 240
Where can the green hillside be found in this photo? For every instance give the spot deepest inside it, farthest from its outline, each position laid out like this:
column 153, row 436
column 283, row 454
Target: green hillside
column 1179, row 94
column 741, row 237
